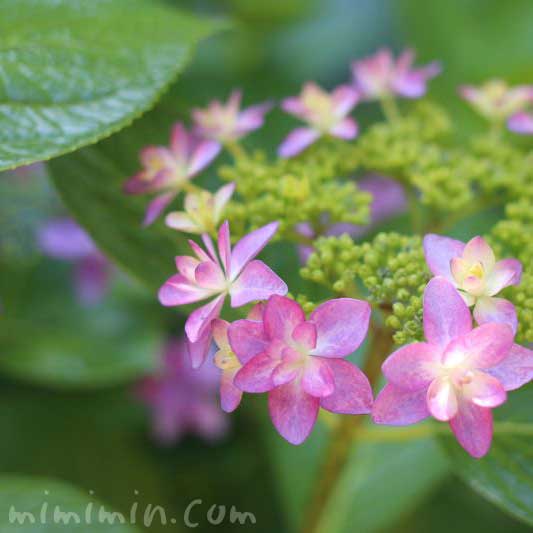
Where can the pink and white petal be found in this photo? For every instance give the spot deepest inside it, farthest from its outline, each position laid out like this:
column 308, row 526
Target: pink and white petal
column 220, row 334
column 181, row 221
column 344, row 99
column 305, row 335
column 399, row 407
column 439, row 251
column 178, row 290
column 157, row 206
column 318, row 379
column 297, row 141
column 256, row 312
column 230, row 395
column 460, row 269
column 247, row 339
column 256, row 282
column 516, row 369
column 186, row 266
column 256, row 374
column 446, row 315
column 199, row 350
column 180, row 142
column 521, row 123
column 341, row 326
column 203, row 155
column 473, row 285
column 281, row 317
column 210, row 247
column 208, row 275
column 62, row 238
column 252, row 118
column 442, row 400
column 294, row 106
column 478, row 250
column 483, row 347
column 484, row 390
column 199, row 252
column 221, row 198
column 289, row 368
column 200, row 319
column 249, row 246
column 346, row 129
column 473, row 426
column 414, row 366
column 293, row 412
column 224, row 246
column 489, row 309
column 505, row 273
column 352, row 394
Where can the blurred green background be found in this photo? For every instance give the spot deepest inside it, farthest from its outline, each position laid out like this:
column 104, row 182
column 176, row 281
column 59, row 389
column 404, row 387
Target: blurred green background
column 80, row 426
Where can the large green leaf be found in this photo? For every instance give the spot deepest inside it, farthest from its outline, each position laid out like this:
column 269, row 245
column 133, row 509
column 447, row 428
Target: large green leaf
column 75, row 71
column 505, row 475
column 30, row 504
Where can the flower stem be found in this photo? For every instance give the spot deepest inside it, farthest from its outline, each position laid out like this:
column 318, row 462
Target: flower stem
column 390, row 108
column 340, row 445
column 236, row 150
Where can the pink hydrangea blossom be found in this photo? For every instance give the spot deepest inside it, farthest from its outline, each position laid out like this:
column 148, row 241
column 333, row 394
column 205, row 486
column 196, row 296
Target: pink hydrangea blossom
column 63, row 239
column 167, row 170
column 458, row 375
column 225, row 123
column 472, row 268
column 380, row 76
column 325, row 114
column 202, row 211
column 300, row 361
column 182, row 400
column 211, row 275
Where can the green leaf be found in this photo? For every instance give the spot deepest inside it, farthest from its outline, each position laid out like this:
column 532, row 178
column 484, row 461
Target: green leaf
column 75, row 71
column 29, row 504
column 505, row 475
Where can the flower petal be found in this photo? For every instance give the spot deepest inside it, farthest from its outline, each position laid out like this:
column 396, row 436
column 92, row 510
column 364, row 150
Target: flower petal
column 91, row 279
column 180, row 142
column 478, row 250
column 446, row 316
column 199, row 350
column 305, row 335
column 289, row 368
column 352, row 394
column 472, row 427
column 220, row 334
column 202, row 156
column 256, row 374
column 221, row 198
column 62, row 238
column 252, row 118
column 249, row 246
column 230, row 395
column 439, row 251
column 247, row 339
column 341, row 326
column 178, row 290
column 224, row 246
column 318, row 378
column 521, row 123
column 505, row 272
column 489, row 309
column 208, row 275
column 281, row 317
column 516, row 369
column 297, row 141
column 345, row 129
column 414, row 366
column 156, row 207
column 200, row 319
column 484, row 390
column 399, row 407
column 344, row 99
column 256, row 282
column 293, row 411
column 181, row 221
column 442, row 399
column 186, row 266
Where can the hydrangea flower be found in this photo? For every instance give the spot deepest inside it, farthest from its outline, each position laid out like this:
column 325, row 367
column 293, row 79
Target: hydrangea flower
column 458, row 375
column 497, row 102
column 325, row 114
column 203, row 211
column 167, row 170
column 380, row 76
column 182, row 400
column 473, row 270
column 226, row 123
column 63, row 239
column 211, row 275
column 300, row 361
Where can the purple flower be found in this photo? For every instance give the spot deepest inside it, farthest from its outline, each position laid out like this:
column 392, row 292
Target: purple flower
column 182, row 400
column 226, row 123
column 168, row 170
column 300, row 361
column 208, row 275
column 203, row 211
column 63, row 239
column 473, row 270
column 325, row 114
column 521, row 123
column 380, row 76
column 458, row 375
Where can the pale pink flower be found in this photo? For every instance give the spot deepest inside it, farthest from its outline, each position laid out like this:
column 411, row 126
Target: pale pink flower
column 521, row 123
column 458, row 375
column 212, row 275
column 472, row 268
column 380, row 76
column 167, row 170
column 300, row 361
column 325, row 113
column 225, row 123
column 182, row 400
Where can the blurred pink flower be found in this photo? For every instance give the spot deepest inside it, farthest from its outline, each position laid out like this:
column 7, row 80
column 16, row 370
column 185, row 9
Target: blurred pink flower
column 380, row 76
column 521, row 123
column 300, row 362
column 473, row 270
column 225, row 123
column 458, row 375
column 63, row 239
column 182, row 400
column 232, row 271
column 325, row 114
column 169, row 169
